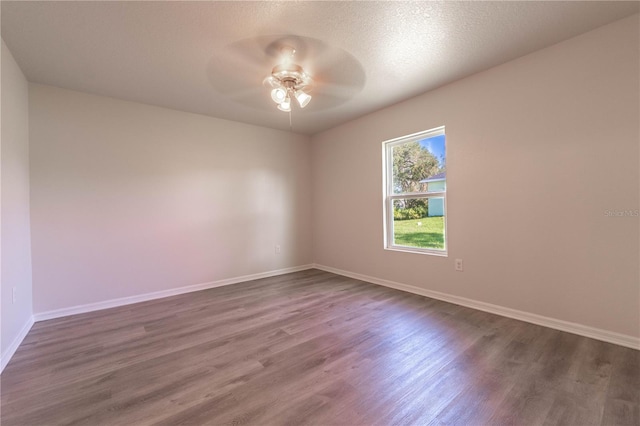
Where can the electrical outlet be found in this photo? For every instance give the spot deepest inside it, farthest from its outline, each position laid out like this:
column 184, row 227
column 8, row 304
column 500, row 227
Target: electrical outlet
column 14, row 295
column 278, row 249
column 459, row 267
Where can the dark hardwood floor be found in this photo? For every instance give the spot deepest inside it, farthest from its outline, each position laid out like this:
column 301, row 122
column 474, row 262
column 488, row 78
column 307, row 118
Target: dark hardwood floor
column 313, row 348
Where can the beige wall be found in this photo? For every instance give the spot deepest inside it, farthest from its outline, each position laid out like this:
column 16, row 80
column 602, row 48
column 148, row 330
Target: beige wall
column 16, row 239
column 559, row 130
column 128, row 199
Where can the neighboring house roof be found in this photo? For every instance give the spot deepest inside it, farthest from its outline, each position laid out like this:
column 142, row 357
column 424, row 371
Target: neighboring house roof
column 435, row 178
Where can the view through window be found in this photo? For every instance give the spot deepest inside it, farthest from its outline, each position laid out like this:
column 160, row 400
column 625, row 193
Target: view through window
column 416, row 192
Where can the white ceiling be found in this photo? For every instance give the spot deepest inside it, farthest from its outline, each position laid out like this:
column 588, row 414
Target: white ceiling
column 197, row 57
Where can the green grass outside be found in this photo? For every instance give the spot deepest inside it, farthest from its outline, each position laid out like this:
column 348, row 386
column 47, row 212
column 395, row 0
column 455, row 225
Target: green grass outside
column 427, row 232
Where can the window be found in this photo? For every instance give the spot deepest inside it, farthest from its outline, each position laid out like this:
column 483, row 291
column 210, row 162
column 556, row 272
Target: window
column 415, row 193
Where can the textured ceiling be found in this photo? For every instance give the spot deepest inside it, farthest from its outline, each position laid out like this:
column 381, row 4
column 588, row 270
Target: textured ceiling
column 198, row 57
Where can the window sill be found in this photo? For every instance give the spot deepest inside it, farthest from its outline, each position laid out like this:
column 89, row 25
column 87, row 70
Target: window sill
column 416, row 250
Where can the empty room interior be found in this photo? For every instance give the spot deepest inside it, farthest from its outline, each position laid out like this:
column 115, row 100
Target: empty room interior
column 327, row 213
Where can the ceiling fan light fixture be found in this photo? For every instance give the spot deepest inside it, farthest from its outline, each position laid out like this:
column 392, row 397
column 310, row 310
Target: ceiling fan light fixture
column 303, row 98
column 285, row 105
column 288, row 80
column 279, row 94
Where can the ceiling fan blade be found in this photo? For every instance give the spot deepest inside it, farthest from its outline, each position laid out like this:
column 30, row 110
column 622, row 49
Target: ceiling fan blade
column 338, row 68
column 335, row 90
column 239, row 94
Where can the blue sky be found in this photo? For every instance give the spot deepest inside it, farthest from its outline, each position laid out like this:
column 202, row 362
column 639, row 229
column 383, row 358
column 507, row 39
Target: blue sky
column 435, row 145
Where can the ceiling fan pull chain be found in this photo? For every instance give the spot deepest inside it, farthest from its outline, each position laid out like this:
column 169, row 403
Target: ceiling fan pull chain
column 290, row 123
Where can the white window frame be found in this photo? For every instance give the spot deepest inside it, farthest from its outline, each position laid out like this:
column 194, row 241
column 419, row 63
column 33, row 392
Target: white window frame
column 389, row 196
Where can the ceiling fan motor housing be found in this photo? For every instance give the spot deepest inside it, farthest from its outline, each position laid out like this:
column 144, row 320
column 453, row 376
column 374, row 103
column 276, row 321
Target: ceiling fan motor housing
column 291, row 76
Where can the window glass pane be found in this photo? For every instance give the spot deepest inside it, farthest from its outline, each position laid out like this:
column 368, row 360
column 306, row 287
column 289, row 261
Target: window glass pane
column 419, row 166
column 419, row 222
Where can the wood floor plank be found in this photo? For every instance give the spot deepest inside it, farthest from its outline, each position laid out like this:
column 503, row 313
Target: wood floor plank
column 312, row 348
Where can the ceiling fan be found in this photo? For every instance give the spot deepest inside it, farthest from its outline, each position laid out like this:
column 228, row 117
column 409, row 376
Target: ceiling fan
column 297, row 68
column 289, row 80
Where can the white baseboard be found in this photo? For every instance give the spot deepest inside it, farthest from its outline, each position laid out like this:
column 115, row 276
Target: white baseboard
column 13, row 347
column 90, row 307
column 570, row 327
